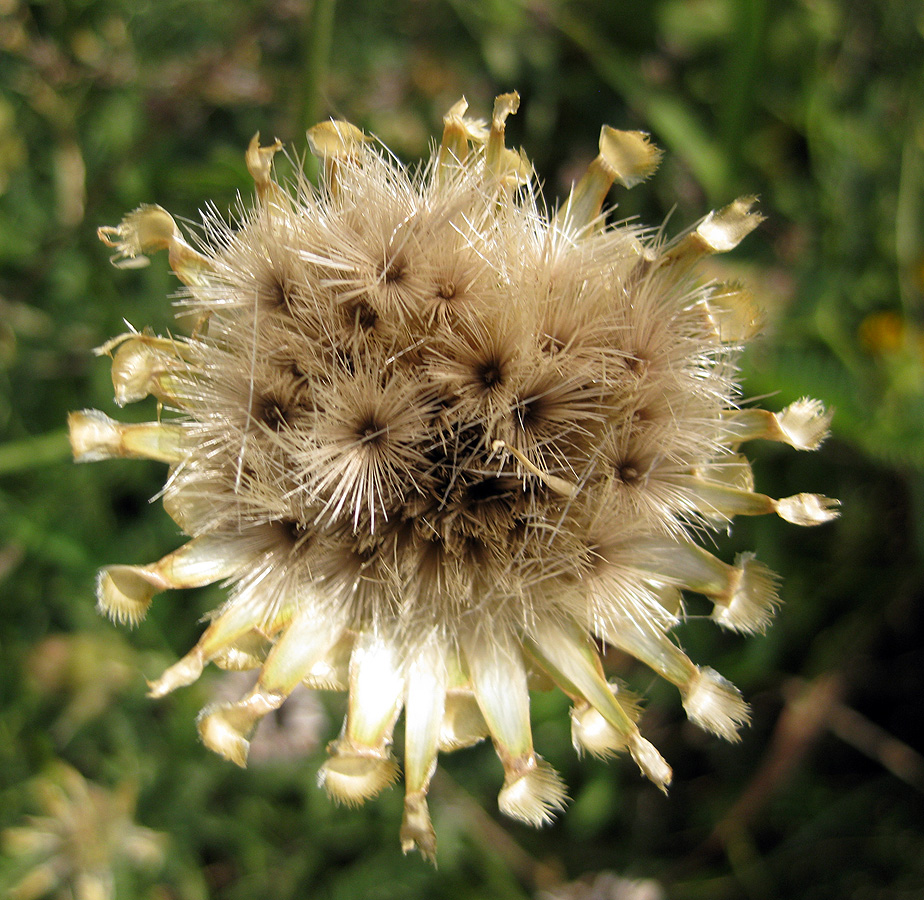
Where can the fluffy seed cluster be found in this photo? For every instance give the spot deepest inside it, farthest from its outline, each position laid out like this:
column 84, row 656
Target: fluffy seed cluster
column 444, row 446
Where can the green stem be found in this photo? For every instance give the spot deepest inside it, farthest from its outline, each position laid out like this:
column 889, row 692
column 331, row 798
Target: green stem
column 318, row 37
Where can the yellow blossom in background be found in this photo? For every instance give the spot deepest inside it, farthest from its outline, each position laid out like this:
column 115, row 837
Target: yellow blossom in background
column 86, row 834
column 444, row 445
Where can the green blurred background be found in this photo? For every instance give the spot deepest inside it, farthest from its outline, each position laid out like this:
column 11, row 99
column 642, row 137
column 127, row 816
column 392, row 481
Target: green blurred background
column 815, row 105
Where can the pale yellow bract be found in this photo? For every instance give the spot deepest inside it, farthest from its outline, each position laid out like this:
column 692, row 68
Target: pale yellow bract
column 441, row 444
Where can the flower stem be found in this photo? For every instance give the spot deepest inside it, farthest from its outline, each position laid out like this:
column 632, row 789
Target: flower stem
column 318, row 35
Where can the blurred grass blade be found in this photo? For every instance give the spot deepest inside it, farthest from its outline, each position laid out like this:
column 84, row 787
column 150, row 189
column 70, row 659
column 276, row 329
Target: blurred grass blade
column 34, row 452
column 671, row 120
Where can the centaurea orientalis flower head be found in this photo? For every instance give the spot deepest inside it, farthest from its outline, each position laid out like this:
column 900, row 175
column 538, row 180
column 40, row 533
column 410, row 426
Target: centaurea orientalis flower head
column 442, row 445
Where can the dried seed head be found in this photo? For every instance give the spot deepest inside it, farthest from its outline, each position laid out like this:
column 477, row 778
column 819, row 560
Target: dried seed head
column 441, row 446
